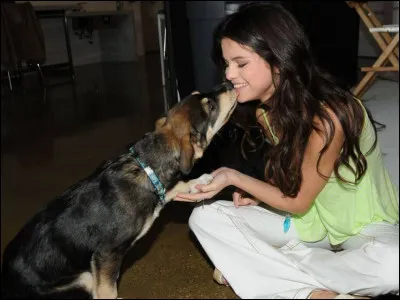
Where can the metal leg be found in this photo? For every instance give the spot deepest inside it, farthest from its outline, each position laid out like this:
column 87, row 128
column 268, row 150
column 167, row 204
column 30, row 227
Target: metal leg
column 68, row 44
column 161, row 44
column 9, row 80
column 165, row 76
column 177, row 91
column 43, row 83
column 40, row 73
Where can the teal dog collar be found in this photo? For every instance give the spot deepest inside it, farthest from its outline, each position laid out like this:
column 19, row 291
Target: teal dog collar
column 158, row 186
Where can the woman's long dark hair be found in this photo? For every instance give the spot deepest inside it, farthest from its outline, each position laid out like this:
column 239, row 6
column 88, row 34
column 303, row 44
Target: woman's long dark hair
column 300, row 94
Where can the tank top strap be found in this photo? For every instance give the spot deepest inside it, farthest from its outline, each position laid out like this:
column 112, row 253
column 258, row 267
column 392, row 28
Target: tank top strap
column 274, row 137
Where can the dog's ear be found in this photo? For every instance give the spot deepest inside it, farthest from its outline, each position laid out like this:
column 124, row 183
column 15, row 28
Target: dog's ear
column 187, row 155
column 160, row 122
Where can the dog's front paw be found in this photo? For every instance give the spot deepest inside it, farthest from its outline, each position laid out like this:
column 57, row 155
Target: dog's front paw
column 203, row 179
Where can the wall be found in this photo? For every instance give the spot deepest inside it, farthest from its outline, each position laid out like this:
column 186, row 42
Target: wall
column 109, row 44
column 56, row 51
column 149, row 10
column 87, row 5
column 396, row 12
column 367, row 46
column 143, row 35
column 118, row 43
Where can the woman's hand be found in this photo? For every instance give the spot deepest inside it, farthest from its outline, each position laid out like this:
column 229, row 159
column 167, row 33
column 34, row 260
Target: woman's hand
column 221, row 180
column 240, row 198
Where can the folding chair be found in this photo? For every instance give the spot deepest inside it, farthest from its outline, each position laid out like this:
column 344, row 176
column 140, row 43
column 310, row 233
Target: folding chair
column 388, row 45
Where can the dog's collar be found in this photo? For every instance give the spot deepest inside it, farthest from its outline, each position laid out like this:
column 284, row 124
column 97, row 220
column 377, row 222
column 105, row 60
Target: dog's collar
column 158, row 186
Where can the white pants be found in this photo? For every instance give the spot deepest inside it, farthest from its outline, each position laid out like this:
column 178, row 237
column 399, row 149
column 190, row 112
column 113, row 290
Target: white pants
column 260, row 261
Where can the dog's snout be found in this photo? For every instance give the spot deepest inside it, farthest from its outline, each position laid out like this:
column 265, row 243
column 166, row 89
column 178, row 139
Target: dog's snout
column 228, row 85
column 223, row 87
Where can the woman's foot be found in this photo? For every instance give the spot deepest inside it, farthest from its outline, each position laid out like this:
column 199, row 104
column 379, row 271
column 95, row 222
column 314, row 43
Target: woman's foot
column 219, row 278
column 325, row 294
column 322, row 294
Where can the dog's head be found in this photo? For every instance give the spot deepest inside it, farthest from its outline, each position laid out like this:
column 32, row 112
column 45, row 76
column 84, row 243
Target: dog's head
column 192, row 123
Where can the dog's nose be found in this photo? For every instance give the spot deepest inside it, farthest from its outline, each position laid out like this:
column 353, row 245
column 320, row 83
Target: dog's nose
column 222, row 87
column 228, row 85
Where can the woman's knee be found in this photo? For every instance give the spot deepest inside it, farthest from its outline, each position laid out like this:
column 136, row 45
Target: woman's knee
column 393, row 264
column 389, row 269
column 206, row 217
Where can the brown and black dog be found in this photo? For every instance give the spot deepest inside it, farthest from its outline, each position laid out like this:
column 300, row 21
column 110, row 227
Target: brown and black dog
column 75, row 245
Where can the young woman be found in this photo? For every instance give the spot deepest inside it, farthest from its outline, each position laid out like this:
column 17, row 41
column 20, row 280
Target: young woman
column 325, row 186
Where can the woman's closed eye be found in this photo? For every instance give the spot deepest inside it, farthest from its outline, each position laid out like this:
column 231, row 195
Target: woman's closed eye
column 239, row 64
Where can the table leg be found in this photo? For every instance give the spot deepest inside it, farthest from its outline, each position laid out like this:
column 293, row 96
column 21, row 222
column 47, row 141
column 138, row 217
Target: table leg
column 68, row 44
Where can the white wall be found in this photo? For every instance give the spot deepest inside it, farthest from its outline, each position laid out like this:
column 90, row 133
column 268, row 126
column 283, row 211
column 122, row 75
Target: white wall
column 56, row 51
column 110, row 44
column 118, row 44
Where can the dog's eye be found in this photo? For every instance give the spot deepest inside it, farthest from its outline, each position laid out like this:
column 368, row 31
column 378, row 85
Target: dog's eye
column 212, row 105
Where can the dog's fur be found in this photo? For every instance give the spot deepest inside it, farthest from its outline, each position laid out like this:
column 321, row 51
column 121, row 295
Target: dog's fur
column 76, row 244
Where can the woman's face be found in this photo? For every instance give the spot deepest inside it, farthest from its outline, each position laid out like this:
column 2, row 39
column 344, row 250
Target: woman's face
column 249, row 73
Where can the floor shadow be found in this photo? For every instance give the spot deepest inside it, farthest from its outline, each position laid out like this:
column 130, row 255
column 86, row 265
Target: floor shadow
column 174, row 212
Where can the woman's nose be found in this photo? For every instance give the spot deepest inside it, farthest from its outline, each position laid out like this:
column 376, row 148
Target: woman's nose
column 230, row 73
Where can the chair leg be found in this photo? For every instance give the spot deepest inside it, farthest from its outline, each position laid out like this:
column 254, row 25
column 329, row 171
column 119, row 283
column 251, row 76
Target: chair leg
column 382, row 58
column 360, row 89
column 40, row 73
column 9, row 80
column 386, row 36
column 377, row 35
column 43, row 83
column 364, row 85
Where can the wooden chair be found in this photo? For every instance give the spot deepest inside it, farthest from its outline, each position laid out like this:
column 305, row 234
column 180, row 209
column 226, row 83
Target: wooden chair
column 387, row 43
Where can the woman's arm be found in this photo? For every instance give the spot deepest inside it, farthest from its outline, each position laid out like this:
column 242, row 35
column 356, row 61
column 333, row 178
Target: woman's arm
column 311, row 186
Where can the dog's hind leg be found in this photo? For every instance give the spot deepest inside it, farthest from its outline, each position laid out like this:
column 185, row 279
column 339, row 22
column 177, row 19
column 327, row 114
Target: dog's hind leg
column 79, row 286
column 105, row 270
